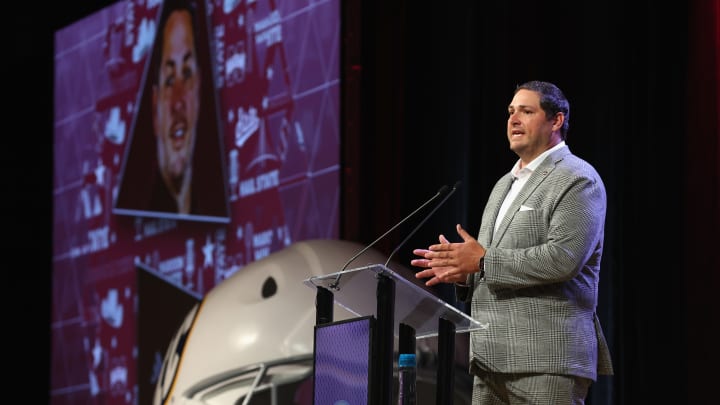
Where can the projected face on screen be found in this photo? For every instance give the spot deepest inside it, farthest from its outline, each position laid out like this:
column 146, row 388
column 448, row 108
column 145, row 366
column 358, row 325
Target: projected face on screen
column 174, row 167
column 176, row 102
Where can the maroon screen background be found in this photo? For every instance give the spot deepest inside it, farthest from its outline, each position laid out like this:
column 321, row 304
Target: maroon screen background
column 277, row 81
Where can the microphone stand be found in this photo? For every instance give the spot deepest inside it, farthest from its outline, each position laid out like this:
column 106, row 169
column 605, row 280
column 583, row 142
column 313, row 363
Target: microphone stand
column 422, row 222
column 335, row 284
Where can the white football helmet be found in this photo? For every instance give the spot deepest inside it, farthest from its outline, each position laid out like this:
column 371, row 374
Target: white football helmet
column 250, row 339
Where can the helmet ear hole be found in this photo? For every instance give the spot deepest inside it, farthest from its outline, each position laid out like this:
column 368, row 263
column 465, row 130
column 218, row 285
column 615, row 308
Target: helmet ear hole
column 269, row 288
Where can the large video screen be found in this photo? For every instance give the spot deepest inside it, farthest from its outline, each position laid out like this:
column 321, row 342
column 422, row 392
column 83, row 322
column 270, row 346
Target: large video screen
column 190, row 139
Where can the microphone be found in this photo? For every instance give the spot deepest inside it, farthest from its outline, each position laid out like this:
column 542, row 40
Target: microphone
column 457, row 184
column 443, row 190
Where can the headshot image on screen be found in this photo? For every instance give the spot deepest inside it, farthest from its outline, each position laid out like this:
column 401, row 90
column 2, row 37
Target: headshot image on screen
column 173, row 166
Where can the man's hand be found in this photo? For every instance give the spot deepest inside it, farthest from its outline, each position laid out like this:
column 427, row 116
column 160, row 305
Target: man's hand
column 449, row 262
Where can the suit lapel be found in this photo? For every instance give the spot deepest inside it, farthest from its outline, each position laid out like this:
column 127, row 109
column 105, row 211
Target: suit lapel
column 495, row 201
column 535, row 180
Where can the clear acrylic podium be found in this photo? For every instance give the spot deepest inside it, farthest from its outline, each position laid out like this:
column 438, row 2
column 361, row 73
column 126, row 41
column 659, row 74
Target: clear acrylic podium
column 414, row 306
column 398, row 305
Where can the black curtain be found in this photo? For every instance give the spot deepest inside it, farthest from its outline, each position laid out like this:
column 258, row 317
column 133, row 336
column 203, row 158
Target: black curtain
column 433, row 97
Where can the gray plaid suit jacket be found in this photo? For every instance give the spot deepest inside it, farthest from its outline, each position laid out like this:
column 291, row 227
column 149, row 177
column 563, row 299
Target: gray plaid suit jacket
column 537, row 301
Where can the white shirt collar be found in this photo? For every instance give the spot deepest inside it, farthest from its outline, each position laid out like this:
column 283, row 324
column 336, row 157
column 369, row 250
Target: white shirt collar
column 525, row 171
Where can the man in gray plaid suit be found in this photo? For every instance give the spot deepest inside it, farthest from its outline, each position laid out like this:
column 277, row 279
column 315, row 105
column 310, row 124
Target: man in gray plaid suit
column 531, row 277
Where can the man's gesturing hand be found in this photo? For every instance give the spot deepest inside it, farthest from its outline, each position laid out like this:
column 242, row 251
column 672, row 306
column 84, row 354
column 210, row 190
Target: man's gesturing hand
column 449, row 262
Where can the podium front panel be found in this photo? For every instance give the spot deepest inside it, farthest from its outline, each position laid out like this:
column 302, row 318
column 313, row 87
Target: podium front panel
column 355, row 290
column 343, row 361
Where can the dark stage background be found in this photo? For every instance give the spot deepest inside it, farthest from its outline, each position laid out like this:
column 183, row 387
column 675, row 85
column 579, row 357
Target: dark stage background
column 426, row 90
column 642, row 80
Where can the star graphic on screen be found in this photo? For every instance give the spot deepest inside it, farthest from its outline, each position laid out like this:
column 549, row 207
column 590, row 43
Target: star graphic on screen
column 207, row 250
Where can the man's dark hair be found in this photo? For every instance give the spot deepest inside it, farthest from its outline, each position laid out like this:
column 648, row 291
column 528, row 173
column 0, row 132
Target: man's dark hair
column 552, row 101
column 168, row 6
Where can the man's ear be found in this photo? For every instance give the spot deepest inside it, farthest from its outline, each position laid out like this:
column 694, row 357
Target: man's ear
column 559, row 120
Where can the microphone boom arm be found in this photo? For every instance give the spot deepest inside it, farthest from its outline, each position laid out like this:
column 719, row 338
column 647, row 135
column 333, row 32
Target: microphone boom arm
column 442, row 190
column 422, row 222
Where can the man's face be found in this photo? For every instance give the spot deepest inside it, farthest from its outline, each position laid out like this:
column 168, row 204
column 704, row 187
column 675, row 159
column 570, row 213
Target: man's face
column 176, row 98
column 528, row 129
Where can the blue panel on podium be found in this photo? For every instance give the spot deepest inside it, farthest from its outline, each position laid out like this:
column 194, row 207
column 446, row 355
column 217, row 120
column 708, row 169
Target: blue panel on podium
column 343, row 353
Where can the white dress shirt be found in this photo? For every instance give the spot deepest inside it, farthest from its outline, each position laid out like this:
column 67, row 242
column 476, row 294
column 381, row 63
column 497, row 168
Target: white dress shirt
column 520, row 177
